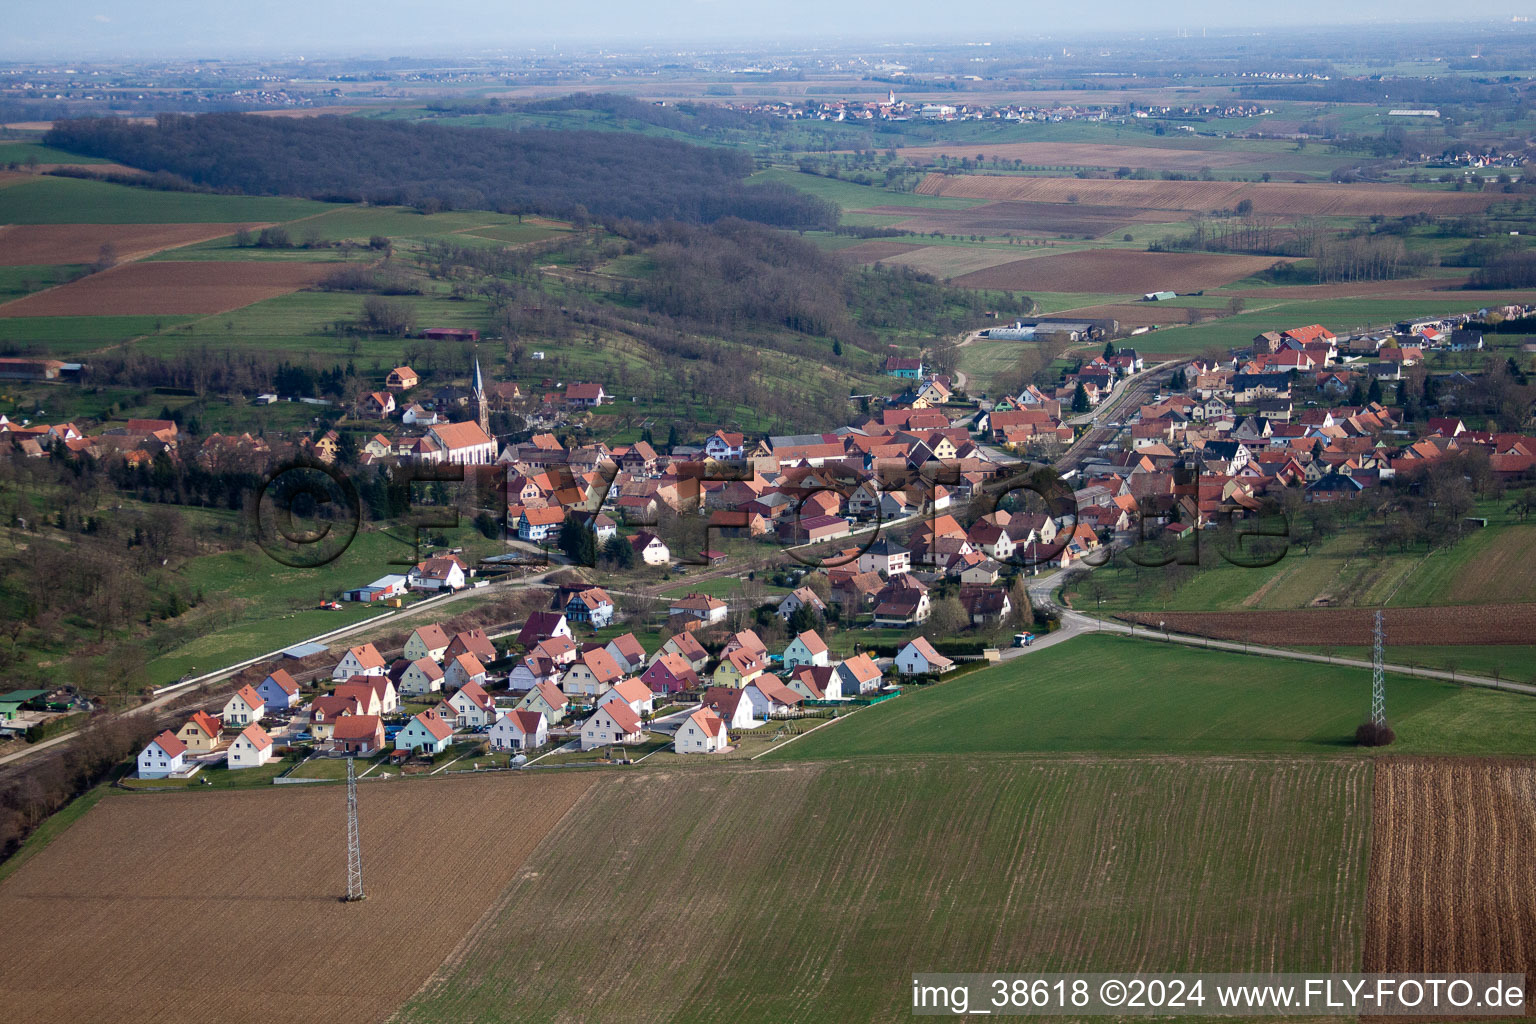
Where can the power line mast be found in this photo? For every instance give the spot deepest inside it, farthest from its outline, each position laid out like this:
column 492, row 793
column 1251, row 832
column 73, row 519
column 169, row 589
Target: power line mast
column 354, row 846
column 1378, row 674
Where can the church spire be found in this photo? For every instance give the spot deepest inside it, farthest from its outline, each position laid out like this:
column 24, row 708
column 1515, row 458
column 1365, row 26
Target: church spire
column 482, row 409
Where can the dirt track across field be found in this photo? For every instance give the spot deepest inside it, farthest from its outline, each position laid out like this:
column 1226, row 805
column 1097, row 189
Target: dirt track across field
column 168, row 288
column 185, row 908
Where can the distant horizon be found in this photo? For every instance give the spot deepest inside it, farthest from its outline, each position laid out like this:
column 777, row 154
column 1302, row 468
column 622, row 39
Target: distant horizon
column 90, row 30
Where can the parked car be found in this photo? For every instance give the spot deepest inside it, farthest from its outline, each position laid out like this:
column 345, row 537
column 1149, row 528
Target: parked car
column 1023, row 639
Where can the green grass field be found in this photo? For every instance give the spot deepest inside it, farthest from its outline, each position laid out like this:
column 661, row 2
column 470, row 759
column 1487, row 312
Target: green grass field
column 73, row 335
column 1513, row 662
column 53, row 200
column 1345, row 570
column 21, row 152
column 811, row 893
column 1110, row 694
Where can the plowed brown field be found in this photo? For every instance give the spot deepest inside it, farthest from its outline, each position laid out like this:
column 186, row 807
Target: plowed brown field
column 1201, row 196
column 152, row 289
column 203, row 907
column 1117, row 270
column 1455, row 624
column 875, row 250
column 1085, row 154
column 25, row 244
column 1026, row 218
column 1452, row 880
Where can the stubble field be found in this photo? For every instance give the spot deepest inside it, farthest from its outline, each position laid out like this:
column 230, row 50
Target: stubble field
column 1452, row 883
column 152, row 288
column 810, row 893
column 223, row 907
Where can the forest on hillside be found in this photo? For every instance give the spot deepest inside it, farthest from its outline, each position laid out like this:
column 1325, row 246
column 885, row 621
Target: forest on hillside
column 575, row 175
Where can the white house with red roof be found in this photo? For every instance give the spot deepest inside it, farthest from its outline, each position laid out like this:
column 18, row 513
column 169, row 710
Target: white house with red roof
column 627, row 652
column 364, row 660
column 770, row 697
column 165, row 756
column 613, row 722
column 251, row 749
column 519, row 730
column 640, row 697
column 702, row 732
column 463, row 443
column 244, row 707
column 591, row 675
column 473, row 707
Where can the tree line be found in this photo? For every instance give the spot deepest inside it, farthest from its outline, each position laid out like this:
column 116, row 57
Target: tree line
column 576, row 175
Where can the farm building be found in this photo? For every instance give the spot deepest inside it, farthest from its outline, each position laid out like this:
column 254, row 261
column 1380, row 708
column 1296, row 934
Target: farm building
column 450, row 334
column 381, row 589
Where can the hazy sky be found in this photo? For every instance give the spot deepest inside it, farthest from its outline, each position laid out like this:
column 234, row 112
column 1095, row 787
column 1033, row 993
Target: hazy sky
column 50, row 28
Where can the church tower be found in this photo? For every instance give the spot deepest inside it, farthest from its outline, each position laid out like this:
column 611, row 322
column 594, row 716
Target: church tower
column 481, row 408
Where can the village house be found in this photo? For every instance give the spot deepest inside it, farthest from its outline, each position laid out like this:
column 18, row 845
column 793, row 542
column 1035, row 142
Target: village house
column 670, row 673
column 547, row 700
column 770, row 697
column 325, row 712
column 426, row 642
column 738, row 668
column 244, row 707
column 859, row 675
column 706, row 609
column 627, row 652
column 472, row 641
column 464, row 670
column 364, row 660
column 591, row 675
column 800, row 597
column 687, row 645
column 200, row 733
column 650, row 549
column 613, row 722
column 421, row 677
column 918, row 658
column 358, row 734
column 519, row 730
column 364, row 696
column 425, row 734
column 540, row 525
column 816, row 682
column 278, row 691
column 702, row 732
column 592, row 607
column 251, row 749
column 163, row 757
column 543, row 625
column 401, row 378
column 807, row 648
column 442, row 573
column 639, row 697
column 887, row 557
column 473, row 708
